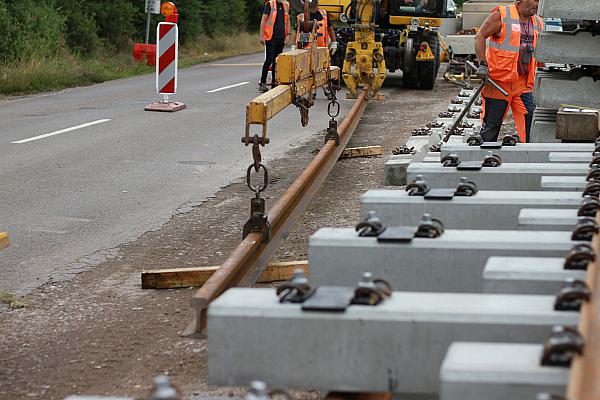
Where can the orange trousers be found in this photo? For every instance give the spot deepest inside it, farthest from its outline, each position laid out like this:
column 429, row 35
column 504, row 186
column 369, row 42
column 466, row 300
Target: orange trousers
column 495, row 108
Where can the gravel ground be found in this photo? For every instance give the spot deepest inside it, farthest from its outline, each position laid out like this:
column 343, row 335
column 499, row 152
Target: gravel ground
column 100, row 333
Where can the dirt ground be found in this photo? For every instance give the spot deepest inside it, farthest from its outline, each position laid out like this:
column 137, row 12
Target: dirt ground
column 101, row 334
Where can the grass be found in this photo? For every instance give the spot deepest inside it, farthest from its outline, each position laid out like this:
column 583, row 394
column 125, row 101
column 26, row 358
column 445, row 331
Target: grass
column 13, row 301
column 67, row 70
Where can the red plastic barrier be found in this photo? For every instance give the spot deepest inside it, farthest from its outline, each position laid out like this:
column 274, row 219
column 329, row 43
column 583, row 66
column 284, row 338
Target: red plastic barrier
column 143, row 51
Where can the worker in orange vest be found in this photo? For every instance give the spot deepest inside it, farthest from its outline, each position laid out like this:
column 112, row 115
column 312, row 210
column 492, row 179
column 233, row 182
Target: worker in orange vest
column 325, row 33
column 509, row 60
column 274, row 35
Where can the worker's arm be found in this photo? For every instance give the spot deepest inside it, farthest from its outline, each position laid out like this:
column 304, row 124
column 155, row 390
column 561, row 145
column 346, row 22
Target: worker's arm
column 491, row 26
column 263, row 22
column 331, row 33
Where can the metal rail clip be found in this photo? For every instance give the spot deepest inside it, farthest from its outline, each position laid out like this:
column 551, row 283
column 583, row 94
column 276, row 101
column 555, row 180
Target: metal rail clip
column 562, row 345
column 572, row 294
column 589, row 206
column 592, row 189
column 585, row 229
column 490, row 160
column 371, row 226
column 371, row 292
column 419, row 187
column 579, row 257
column 296, row 290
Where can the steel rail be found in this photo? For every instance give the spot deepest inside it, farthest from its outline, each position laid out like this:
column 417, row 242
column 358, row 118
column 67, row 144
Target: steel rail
column 584, row 380
column 247, row 261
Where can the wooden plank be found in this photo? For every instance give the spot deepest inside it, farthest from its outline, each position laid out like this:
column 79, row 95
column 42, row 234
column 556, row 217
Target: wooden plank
column 368, row 151
column 4, row 240
column 197, row 276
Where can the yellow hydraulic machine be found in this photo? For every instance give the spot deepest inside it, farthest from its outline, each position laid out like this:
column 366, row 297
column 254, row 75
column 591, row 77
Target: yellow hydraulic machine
column 378, row 35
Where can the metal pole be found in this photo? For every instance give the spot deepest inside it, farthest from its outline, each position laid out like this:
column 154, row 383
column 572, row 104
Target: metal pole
column 148, row 20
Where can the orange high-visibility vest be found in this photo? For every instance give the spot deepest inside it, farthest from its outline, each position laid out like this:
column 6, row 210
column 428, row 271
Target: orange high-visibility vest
column 502, row 53
column 322, row 30
column 268, row 29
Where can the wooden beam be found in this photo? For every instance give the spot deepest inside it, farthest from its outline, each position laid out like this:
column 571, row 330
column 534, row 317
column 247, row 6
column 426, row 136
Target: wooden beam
column 368, row 151
column 4, row 240
column 196, row 276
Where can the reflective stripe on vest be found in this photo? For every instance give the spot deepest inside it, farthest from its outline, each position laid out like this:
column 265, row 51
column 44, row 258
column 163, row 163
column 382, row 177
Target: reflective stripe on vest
column 268, row 29
column 503, row 52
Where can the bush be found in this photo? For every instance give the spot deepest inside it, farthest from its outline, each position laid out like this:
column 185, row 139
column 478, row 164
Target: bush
column 30, row 29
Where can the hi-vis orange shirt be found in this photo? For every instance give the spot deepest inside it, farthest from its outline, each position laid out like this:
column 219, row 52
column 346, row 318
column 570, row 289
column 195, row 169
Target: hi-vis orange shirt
column 322, row 29
column 502, row 53
column 268, row 29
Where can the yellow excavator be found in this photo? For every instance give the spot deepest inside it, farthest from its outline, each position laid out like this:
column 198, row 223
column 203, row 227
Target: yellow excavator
column 378, row 35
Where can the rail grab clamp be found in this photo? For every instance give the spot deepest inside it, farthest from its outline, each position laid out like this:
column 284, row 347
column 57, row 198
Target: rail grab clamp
column 562, row 345
column 579, row 257
column 572, row 294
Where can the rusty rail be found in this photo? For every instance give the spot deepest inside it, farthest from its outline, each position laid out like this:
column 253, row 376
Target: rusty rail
column 584, row 382
column 245, row 264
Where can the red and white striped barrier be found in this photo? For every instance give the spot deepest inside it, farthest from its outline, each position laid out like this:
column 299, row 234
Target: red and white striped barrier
column 166, row 58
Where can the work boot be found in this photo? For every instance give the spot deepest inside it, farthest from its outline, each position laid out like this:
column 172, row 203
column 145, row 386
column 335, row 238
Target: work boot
column 263, row 88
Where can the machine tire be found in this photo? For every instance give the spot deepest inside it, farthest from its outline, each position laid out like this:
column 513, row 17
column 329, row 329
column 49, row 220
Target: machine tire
column 410, row 80
column 427, row 75
column 434, row 42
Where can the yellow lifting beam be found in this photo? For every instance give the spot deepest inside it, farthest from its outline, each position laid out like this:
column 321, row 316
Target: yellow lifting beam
column 299, row 73
column 4, row 240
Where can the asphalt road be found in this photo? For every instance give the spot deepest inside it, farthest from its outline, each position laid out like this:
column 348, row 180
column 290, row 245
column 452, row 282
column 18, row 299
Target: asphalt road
column 69, row 199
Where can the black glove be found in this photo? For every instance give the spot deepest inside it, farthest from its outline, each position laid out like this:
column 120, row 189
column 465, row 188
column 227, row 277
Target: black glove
column 483, row 71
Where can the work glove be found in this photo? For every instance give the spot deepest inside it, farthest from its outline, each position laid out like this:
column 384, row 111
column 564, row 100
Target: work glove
column 483, row 71
column 333, row 47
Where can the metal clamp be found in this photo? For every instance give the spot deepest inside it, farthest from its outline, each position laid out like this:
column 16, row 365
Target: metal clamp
column 446, row 114
column 592, row 189
column 563, row 344
column 475, row 140
column 454, row 109
column 585, row 229
column 258, row 221
column 371, row 292
column 579, row 257
column 296, row 290
column 429, row 227
column 466, row 187
column 450, row 160
column 421, row 132
column 594, row 173
column 492, row 160
column 595, row 160
column 457, row 100
column 332, row 132
column 435, row 124
column 303, row 104
column 589, row 207
column 404, row 149
column 572, row 294
column 418, row 187
column 510, row 140
column 371, row 226
column 474, row 114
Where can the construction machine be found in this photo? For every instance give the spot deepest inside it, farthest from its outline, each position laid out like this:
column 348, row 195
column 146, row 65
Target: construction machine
column 378, row 35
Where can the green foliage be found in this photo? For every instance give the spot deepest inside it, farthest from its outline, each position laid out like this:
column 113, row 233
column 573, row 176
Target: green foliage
column 30, row 29
column 255, row 10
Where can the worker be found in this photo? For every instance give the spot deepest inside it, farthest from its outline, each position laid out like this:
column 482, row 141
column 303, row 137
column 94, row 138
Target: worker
column 325, row 33
column 510, row 62
column 274, row 35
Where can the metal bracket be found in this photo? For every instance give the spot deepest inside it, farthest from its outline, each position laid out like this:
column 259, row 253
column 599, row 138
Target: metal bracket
column 371, row 226
column 562, row 345
column 452, row 160
column 579, row 257
column 585, row 229
column 589, row 206
column 332, row 132
column 296, row 290
column 258, row 221
column 371, row 292
column 572, row 294
column 592, row 189
column 419, row 187
column 404, row 149
column 428, row 227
